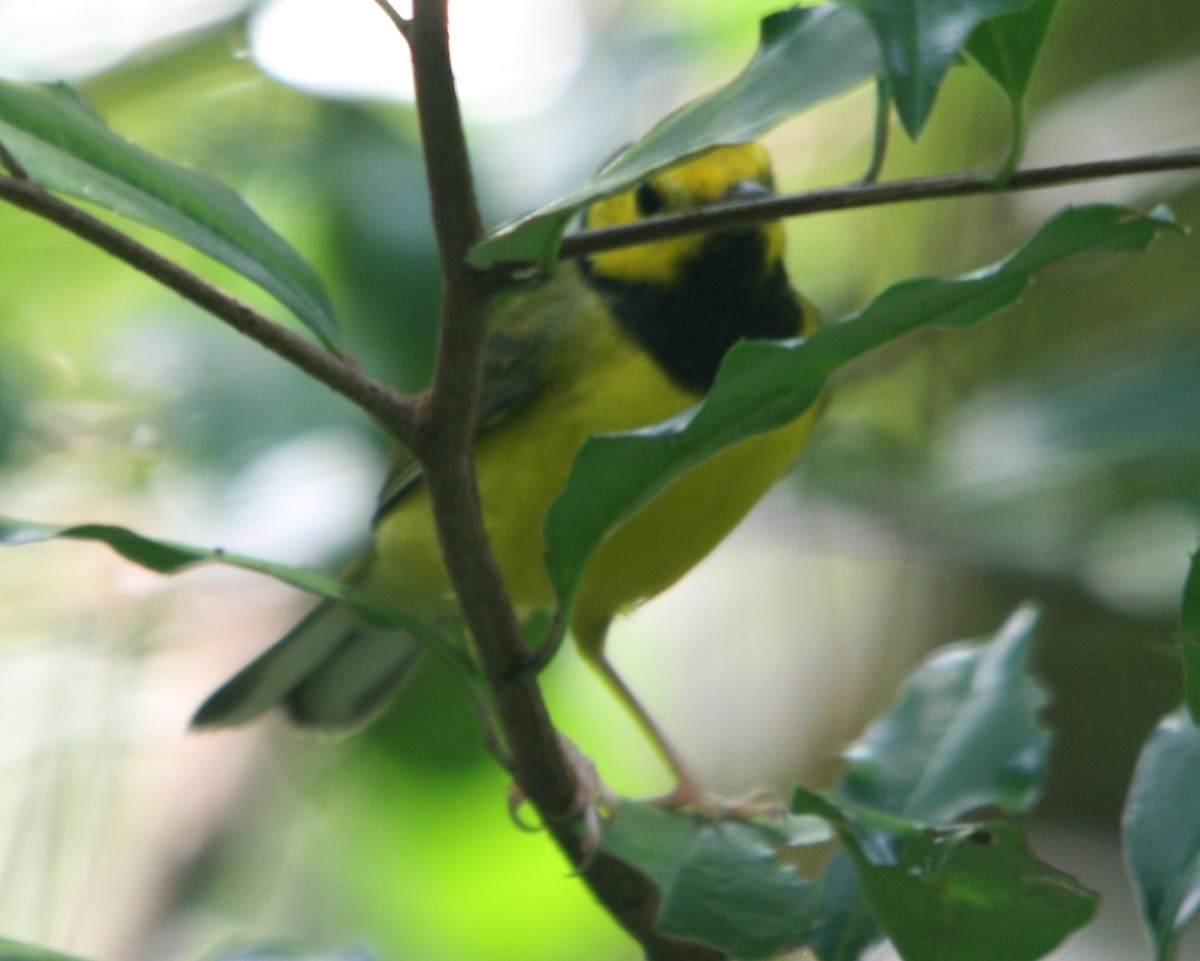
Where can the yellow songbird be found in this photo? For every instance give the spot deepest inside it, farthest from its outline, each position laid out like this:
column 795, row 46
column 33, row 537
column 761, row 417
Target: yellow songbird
column 615, row 341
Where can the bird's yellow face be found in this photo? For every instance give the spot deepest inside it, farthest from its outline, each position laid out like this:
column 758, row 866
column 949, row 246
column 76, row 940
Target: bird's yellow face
column 720, row 175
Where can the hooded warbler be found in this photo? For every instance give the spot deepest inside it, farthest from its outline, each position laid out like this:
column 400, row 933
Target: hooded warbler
column 614, row 342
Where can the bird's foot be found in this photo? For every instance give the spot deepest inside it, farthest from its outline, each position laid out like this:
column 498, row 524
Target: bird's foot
column 593, row 800
column 689, row 795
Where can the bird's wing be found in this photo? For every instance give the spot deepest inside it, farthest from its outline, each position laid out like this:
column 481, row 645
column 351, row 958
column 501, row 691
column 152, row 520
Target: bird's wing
column 527, row 330
column 329, row 671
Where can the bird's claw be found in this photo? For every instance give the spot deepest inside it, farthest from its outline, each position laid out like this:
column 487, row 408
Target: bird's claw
column 689, row 795
column 593, row 800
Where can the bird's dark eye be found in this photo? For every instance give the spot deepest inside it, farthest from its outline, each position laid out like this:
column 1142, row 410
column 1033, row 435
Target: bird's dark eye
column 649, row 200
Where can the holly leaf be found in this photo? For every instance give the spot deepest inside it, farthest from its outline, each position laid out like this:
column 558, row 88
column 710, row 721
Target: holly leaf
column 721, row 882
column 962, row 735
column 966, row 893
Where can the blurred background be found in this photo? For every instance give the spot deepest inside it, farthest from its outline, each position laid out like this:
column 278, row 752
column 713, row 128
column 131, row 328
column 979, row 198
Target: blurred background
column 1052, row 453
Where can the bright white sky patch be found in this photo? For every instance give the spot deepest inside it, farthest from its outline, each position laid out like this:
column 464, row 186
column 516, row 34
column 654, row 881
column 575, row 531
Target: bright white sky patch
column 511, row 58
column 53, row 39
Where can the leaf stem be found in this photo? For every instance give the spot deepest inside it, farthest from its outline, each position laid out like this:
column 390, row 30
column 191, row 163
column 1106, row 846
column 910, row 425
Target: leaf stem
column 869, row 195
column 879, row 143
column 1016, row 147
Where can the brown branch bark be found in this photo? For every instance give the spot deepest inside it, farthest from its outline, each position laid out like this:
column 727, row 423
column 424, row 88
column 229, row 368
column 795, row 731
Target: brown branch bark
column 444, row 443
column 399, row 22
column 869, row 195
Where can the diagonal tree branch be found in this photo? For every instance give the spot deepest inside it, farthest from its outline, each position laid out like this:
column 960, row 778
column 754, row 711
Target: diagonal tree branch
column 869, row 195
column 393, row 410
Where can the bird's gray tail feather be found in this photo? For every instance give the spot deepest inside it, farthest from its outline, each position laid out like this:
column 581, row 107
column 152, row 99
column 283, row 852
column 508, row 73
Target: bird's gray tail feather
column 329, row 671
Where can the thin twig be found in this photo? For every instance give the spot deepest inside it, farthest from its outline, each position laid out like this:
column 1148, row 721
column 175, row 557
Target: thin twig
column 391, row 409
column 403, row 24
column 868, row 195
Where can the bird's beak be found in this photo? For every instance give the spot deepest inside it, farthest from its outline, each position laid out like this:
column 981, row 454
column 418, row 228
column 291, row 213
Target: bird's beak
column 748, row 190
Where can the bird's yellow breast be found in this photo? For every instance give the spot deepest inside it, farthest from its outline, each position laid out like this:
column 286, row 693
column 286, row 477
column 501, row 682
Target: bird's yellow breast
column 602, row 382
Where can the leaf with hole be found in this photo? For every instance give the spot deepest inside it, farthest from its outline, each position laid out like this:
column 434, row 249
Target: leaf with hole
column 964, row 734
column 972, row 892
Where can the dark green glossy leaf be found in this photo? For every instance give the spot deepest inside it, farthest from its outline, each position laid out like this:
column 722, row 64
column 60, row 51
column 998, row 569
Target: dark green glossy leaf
column 1161, row 829
column 962, row 735
column 847, row 926
column 172, row 557
column 65, row 146
column 1007, row 48
column 764, row 384
column 16, row 951
column 1189, row 638
column 720, row 881
column 805, row 55
column 921, row 39
column 968, row 893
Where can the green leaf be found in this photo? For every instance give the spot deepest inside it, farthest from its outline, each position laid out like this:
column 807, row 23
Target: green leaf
column 847, row 927
column 720, row 881
column 1189, row 638
column 805, row 55
column 764, row 384
column 1161, row 828
column 172, row 557
column 921, row 39
column 962, row 735
column 65, row 146
column 1007, row 48
column 16, row 951
column 969, row 893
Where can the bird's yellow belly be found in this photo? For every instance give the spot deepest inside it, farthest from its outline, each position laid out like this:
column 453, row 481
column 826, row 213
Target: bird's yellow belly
column 669, row 536
column 522, row 465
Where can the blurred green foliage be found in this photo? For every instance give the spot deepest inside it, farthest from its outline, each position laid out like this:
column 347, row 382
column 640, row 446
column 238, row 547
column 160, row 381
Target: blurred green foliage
column 1053, row 454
